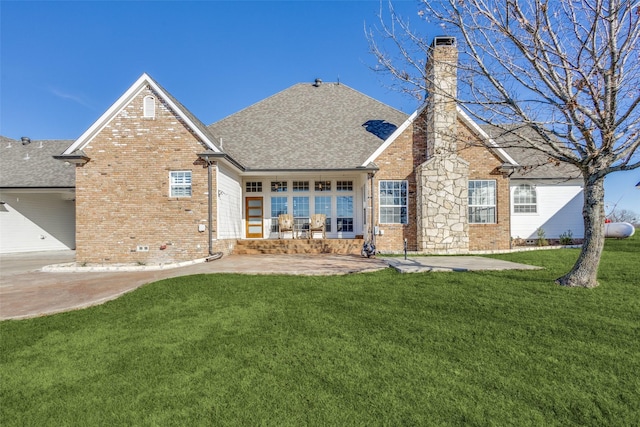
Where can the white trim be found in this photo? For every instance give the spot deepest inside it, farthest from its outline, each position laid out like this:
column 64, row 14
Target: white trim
column 393, row 136
column 462, row 116
column 122, row 102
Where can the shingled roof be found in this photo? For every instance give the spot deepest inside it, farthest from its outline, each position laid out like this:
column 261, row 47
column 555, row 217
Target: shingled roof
column 32, row 165
column 308, row 126
column 533, row 163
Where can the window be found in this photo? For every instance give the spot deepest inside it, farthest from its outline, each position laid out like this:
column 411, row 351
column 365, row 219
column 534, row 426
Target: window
column 322, row 186
column 149, row 107
column 482, row 202
column 278, row 206
column 180, row 183
column 344, row 185
column 524, row 199
column 253, row 187
column 323, row 206
column 393, row 202
column 300, row 185
column 344, row 205
column 278, row 186
column 301, row 212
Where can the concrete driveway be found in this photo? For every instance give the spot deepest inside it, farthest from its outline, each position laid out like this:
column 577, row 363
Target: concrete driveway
column 28, row 291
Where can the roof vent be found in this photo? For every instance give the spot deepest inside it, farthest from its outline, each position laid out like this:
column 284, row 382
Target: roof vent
column 25, row 140
column 318, row 82
column 444, row 41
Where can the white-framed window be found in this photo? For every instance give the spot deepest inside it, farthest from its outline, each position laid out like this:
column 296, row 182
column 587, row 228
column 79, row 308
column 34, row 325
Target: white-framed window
column 180, row 183
column 322, row 205
column 344, row 185
column 149, row 107
column 300, row 185
column 278, row 206
column 393, row 196
column 344, row 210
column 253, row 187
column 482, row 201
column 525, row 199
column 278, row 187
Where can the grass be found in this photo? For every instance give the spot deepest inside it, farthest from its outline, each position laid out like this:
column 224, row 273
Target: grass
column 490, row 348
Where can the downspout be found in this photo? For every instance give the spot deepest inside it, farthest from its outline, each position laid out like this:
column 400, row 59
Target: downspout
column 210, row 197
column 372, row 225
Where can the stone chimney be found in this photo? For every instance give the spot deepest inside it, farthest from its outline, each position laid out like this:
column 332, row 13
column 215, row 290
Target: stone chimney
column 441, row 193
column 442, row 88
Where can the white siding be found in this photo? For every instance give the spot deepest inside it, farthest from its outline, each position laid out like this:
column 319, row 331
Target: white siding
column 36, row 222
column 229, row 203
column 559, row 209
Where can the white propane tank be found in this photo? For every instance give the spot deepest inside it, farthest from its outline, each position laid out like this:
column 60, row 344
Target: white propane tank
column 619, row 230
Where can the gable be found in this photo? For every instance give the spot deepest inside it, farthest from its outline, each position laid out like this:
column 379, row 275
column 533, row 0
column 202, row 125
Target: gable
column 144, row 83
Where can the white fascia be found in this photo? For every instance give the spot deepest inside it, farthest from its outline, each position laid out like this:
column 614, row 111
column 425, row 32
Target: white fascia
column 485, row 136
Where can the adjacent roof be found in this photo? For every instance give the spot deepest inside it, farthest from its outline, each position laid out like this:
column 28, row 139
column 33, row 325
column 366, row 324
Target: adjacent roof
column 33, row 166
column 532, row 163
column 308, row 126
column 144, row 80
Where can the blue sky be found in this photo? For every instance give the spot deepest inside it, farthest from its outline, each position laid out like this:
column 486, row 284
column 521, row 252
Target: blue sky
column 63, row 63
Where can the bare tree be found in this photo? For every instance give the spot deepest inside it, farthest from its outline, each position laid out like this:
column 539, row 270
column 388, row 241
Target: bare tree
column 623, row 215
column 567, row 69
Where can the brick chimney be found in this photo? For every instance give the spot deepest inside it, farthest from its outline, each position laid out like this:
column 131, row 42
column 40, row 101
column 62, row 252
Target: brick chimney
column 442, row 87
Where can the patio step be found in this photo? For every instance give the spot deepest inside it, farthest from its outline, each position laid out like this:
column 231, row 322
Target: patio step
column 299, row 246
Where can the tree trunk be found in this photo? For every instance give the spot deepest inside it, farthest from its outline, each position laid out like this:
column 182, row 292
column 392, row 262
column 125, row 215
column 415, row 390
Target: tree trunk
column 585, row 271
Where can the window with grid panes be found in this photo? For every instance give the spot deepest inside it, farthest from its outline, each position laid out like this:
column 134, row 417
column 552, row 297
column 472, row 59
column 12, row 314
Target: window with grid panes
column 482, row 202
column 322, row 205
column 322, row 186
column 300, row 186
column 278, row 186
column 278, row 206
column 524, row 199
column 253, row 187
column 180, row 184
column 344, row 185
column 393, row 202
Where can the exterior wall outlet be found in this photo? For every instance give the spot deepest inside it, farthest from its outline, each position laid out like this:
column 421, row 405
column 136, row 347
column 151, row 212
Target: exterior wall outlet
column 142, row 248
column 201, row 227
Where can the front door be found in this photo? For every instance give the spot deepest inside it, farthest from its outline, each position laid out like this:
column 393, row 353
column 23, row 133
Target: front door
column 255, row 212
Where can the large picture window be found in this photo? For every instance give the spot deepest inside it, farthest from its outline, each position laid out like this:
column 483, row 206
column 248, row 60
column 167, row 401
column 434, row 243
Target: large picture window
column 393, row 202
column 180, row 183
column 524, row 199
column 482, row 202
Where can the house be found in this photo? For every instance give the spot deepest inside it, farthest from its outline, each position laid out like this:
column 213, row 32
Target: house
column 37, row 211
column 155, row 185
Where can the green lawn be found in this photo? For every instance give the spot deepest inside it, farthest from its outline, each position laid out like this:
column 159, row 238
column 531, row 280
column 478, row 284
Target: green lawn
column 491, row 348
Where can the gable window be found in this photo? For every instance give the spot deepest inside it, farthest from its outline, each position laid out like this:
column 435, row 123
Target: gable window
column 393, row 202
column 149, row 107
column 180, row 183
column 482, row 202
column 253, row 187
column 524, row 199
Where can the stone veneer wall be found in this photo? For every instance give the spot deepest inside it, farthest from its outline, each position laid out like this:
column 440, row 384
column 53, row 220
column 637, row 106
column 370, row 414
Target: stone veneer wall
column 122, row 193
column 442, row 205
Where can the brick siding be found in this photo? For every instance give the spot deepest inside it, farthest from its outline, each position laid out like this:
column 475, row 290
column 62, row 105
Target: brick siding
column 123, row 191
